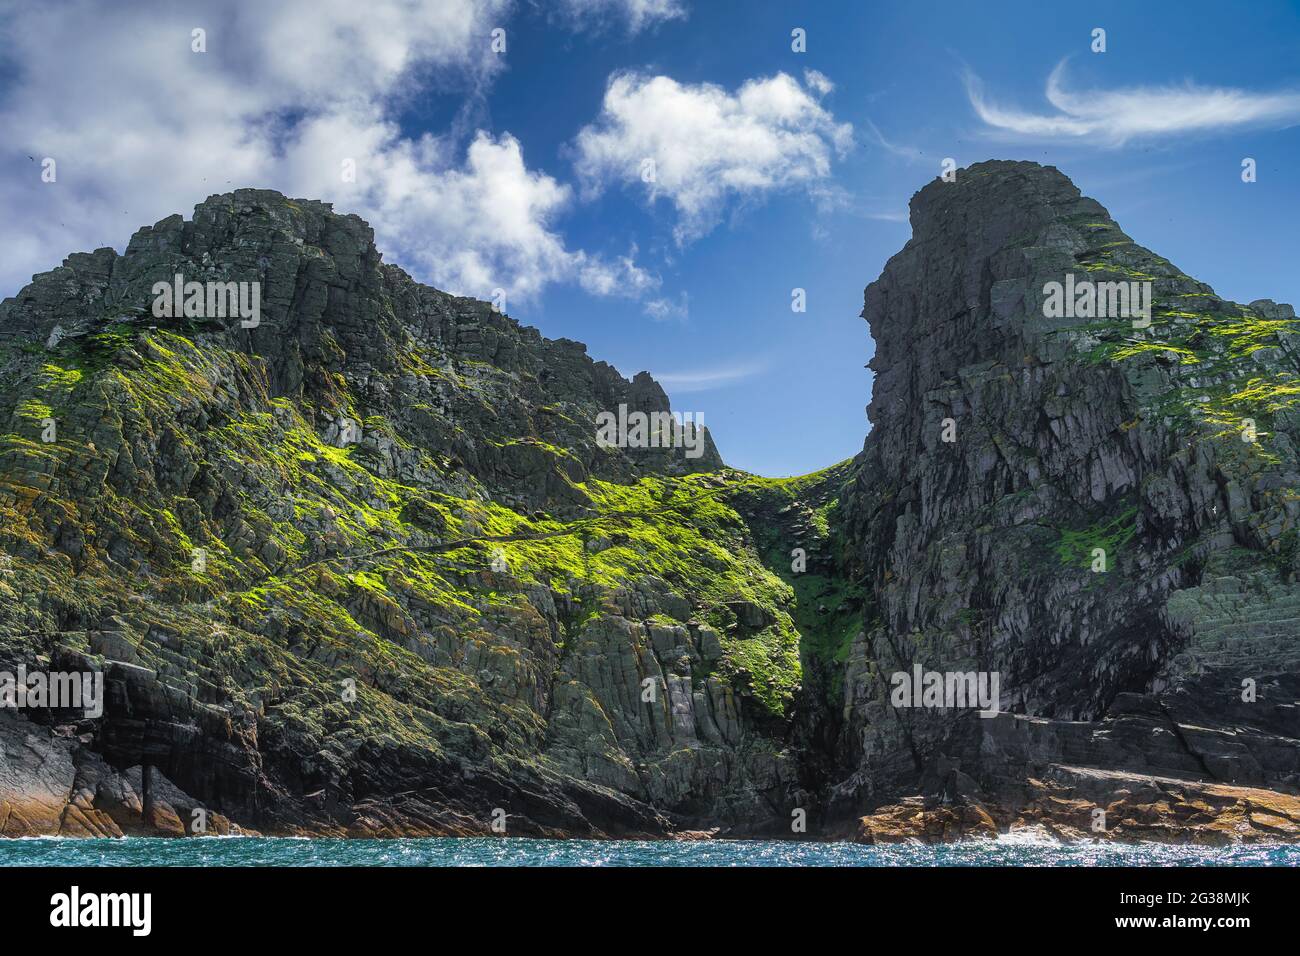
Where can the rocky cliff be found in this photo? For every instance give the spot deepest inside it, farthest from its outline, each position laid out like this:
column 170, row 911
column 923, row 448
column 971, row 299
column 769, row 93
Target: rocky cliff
column 364, row 565
column 1101, row 509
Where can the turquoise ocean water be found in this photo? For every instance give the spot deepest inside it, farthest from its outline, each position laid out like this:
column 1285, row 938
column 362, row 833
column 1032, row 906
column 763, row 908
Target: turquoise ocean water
column 254, row 851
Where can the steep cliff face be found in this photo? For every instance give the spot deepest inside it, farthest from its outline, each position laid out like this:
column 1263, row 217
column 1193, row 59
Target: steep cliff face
column 1099, row 509
column 367, row 565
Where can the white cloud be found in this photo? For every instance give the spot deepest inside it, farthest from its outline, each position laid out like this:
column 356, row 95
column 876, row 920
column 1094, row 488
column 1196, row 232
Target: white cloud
column 1112, row 117
column 666, row 310
column 622, row 276
column 819, row 82
column 142, row 127
column 635, row 14
column 709, row 146
column 706, row 379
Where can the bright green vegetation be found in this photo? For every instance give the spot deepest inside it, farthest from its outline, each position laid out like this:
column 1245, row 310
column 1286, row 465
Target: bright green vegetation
column 321, row 564
column 1106, row 261
column 33, row 410
column 1216, row 357
column 803, row 512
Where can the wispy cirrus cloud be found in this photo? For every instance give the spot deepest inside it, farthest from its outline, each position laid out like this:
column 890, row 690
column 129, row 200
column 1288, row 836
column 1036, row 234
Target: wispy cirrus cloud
column 714, row 376
column 896, row 149
column 636, row 15
column 1113, row 117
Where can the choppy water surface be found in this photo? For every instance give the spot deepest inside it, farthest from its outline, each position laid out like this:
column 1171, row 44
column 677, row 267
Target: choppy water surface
column 253, row 851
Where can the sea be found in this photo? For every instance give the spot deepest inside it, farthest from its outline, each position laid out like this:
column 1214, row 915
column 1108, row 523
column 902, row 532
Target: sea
column 1015, row 850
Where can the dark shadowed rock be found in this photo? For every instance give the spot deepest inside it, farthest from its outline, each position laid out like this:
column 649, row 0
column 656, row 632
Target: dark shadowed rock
column 1075, row 439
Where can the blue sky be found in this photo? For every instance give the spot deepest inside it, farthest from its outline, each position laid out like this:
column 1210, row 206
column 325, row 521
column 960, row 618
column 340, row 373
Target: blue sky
column 520, row 170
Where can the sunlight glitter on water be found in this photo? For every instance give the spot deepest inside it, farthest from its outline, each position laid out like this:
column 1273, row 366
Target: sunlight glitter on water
column 1019, row 849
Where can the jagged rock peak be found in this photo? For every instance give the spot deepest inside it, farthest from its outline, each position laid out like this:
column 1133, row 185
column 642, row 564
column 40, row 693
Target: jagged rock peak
column 330, row 307
column 998, row 189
